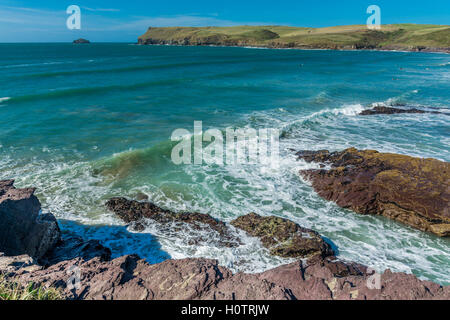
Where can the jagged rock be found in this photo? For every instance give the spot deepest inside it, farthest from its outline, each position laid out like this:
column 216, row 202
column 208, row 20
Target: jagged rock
column 129, row 277
column 23, row 230
column 76, row 247
column 283, row 237
column 390, row 110
column 132, row 211
column 411, row 190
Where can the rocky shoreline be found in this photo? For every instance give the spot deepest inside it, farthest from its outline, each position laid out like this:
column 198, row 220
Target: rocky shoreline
column 83, row 269
column 187, row 43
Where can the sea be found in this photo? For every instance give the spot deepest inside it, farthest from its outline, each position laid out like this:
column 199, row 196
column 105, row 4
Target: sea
column 84, row 123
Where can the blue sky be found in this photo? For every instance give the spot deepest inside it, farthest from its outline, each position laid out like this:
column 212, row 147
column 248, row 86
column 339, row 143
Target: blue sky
column 113, row 20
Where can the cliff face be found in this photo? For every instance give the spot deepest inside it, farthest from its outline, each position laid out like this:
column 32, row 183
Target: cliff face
column 391, row 37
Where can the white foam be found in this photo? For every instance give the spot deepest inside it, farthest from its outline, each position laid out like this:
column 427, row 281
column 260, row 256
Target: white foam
column 69, row 190
column 4, row 99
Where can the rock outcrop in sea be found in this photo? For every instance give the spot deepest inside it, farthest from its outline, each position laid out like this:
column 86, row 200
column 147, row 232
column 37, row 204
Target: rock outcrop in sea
column 135, row 212
column 390, row 110
column 410, row 190
column 283, row 237
column 81, row 41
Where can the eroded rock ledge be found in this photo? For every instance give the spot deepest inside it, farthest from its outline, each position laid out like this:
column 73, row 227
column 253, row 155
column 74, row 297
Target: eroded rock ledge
column 130, row 277
column 411, row 190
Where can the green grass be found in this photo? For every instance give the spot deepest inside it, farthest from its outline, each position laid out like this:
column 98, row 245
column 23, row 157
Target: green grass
column 397, row 36
column 10, row 290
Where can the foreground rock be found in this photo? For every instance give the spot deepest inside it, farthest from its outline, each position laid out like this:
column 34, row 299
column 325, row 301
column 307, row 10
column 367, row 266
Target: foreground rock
column 23, row 229
column 390, row 110
column 283, row 237
column 411, row 190
column 130, row 277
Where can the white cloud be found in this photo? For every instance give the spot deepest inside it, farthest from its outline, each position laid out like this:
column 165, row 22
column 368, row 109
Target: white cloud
column 101, row 9
column 142, row 23
column 29, row 24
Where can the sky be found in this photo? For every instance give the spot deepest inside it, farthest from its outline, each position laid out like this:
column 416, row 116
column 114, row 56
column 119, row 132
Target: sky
column 124, row 21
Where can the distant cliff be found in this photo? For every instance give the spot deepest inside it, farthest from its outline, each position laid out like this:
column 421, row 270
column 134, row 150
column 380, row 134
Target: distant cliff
column 410, row 37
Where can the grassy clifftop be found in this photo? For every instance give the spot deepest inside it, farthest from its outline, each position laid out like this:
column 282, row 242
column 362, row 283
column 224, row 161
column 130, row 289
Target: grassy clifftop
column 391, row 37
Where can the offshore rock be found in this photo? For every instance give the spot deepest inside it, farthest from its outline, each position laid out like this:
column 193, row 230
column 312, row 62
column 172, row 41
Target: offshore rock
column 81, row 41
column 390, row 110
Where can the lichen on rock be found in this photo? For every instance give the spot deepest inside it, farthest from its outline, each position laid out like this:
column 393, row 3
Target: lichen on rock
column 283, row 237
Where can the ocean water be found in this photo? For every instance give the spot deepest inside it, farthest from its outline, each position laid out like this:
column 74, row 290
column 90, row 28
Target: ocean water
column 85, row 123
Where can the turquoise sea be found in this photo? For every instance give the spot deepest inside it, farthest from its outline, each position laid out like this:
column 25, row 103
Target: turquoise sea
column 83, row 123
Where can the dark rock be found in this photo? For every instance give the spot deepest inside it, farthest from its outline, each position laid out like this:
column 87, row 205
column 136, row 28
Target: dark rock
column 129, row 277
column 76, row 247
column 135, row 211
column 23, row 230
column 283, row 237
column 390, row 110
column 411, row 190
column 81, row 41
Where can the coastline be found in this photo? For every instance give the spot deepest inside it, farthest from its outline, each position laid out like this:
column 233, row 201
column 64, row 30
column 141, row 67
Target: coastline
column 403, row 50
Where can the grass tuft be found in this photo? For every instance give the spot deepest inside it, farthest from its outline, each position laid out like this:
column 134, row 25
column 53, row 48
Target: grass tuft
column 10, row 290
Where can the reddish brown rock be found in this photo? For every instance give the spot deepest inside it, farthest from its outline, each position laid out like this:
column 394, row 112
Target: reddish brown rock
column 283, row 237
column 23, row 229
column 129, row 277
column 411, row 190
